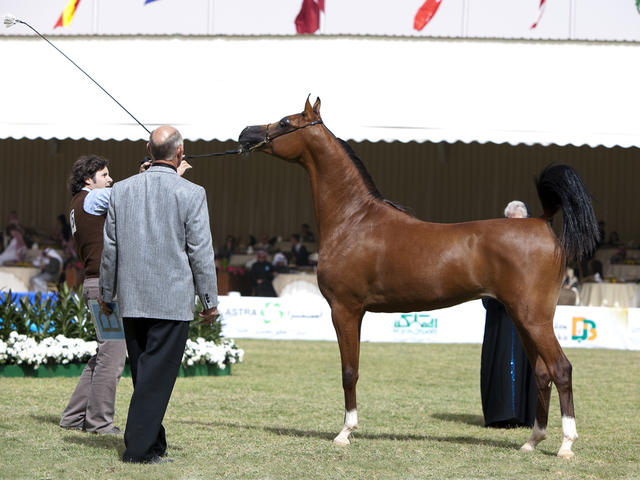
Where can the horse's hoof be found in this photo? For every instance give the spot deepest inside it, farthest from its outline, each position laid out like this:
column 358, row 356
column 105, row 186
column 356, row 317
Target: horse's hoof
column 566, row 454
column 527, row 447
column 341, row 441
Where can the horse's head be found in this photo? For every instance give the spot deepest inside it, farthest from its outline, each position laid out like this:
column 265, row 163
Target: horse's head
column 285, row 138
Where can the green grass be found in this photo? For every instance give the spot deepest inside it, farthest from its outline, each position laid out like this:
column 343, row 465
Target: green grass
column 274, row 418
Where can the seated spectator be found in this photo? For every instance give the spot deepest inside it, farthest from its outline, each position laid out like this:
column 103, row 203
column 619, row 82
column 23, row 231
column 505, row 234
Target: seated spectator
column 65, row 239
column 299, row 251
column 280, row 262
column 620, row 256
column 307, row 235
column 569, row 294
column 591, row 270
column 262, row 276
column 16, row 247
column 264, row 244
column 12, row 221
column 50, row 263
column 228, row 249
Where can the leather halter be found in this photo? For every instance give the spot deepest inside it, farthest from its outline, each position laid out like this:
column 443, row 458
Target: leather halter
column 268, row 139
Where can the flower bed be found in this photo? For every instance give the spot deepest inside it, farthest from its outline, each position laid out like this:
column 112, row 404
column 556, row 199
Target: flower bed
column 32, row 335
column 28, row 355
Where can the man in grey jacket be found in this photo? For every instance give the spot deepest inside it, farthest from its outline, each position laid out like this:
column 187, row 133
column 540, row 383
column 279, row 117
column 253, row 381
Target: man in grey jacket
column 157, row 253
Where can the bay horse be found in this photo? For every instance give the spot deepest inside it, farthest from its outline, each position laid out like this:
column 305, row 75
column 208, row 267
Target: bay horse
column 375, row 257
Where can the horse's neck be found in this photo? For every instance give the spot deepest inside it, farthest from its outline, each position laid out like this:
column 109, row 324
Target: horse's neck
column 339, row 191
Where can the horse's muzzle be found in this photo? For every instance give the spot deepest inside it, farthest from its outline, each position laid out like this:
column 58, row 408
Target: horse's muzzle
column 251, row 136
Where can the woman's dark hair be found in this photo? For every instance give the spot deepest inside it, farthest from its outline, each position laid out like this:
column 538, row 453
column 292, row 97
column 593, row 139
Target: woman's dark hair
column 85, row 167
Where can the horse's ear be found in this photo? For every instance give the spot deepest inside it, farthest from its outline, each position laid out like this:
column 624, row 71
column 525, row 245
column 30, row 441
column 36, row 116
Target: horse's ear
column 316, row 106
column 308, row 110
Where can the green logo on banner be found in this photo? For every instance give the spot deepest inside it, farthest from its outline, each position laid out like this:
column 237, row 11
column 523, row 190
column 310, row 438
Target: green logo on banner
column 271, row 312
column 416, row 323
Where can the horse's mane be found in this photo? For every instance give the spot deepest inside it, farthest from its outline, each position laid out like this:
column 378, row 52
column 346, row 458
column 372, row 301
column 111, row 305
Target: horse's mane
column 366, row 177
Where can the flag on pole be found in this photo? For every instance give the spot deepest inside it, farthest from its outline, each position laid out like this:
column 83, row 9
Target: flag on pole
column 308, row 20
column 425, row 13
column 67, row 14
column 540, row 11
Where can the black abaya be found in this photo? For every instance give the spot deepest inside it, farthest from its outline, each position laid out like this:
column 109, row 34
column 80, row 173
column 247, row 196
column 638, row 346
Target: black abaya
column 507, row 383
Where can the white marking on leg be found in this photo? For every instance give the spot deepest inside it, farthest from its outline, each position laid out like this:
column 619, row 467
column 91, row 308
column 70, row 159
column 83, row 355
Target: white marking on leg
column 350, row 424
column 569, row 435
column 537, row 435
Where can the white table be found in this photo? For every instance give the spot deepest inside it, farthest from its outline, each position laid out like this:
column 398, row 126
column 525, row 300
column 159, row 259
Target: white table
column 621, row 271
column 619, row 295
column 16, row 279
column 241, row 259
column 292, row 283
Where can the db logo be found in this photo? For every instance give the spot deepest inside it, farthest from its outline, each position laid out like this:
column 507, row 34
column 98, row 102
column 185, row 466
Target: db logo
column 583, row 329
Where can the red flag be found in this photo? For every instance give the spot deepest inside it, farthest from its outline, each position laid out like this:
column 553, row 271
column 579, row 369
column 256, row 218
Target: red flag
column 425, row 13
column 308, row 20
column 67, row 14
column 541, row 9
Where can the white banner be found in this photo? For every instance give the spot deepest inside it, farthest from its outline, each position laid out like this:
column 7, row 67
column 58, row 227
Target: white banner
column 309, row 318
column 598, row 327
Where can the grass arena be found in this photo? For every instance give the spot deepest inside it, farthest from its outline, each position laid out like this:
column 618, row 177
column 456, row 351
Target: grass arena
column 276, row 415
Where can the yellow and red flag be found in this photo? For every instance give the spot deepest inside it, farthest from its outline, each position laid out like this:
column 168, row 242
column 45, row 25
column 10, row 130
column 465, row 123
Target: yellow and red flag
column 67, row 14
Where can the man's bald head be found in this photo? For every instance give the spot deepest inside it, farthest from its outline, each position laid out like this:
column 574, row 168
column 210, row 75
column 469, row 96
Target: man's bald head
column 164, row 143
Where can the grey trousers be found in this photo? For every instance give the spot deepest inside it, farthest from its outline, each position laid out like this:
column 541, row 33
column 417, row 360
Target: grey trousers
column 92, row 404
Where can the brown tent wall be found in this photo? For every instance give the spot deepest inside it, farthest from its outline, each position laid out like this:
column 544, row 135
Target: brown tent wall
column 259, row 194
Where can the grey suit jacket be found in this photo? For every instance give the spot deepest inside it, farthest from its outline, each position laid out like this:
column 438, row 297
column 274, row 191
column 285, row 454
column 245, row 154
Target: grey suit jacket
column 157, row 247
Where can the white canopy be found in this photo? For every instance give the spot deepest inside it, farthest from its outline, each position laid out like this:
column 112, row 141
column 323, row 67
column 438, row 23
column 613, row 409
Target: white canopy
column 372, row 88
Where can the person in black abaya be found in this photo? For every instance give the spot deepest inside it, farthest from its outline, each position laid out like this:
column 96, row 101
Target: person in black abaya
column 262, row 276
column 507, row 382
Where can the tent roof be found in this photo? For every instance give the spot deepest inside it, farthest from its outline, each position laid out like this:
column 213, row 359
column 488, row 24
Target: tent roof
column 377, row 89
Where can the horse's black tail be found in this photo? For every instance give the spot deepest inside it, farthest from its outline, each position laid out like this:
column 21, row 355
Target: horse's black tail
column 560, row 186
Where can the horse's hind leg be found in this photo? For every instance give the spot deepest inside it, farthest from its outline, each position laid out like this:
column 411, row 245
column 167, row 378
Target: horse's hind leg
column 538, row 329
column 347, row 324
column 543, row 383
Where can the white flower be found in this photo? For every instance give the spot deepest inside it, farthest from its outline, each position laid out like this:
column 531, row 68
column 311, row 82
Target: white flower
column 23, row 350
column 211, row 353
column 3, row 352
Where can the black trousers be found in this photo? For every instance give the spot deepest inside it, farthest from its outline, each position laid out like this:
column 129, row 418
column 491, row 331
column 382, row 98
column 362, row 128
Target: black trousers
column 155, row 351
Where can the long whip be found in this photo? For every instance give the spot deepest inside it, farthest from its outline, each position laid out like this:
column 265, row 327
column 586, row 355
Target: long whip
column 11, row 20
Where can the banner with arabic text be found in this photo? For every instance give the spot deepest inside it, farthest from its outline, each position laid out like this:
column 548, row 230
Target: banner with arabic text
column 309, row 318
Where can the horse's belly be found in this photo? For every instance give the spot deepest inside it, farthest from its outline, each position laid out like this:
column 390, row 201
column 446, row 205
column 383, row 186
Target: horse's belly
column 416, row 301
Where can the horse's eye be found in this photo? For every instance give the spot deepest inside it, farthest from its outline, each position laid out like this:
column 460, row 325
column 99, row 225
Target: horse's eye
column 284, row 122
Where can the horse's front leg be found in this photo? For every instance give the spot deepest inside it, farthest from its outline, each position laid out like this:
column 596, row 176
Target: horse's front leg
column 347, row 323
